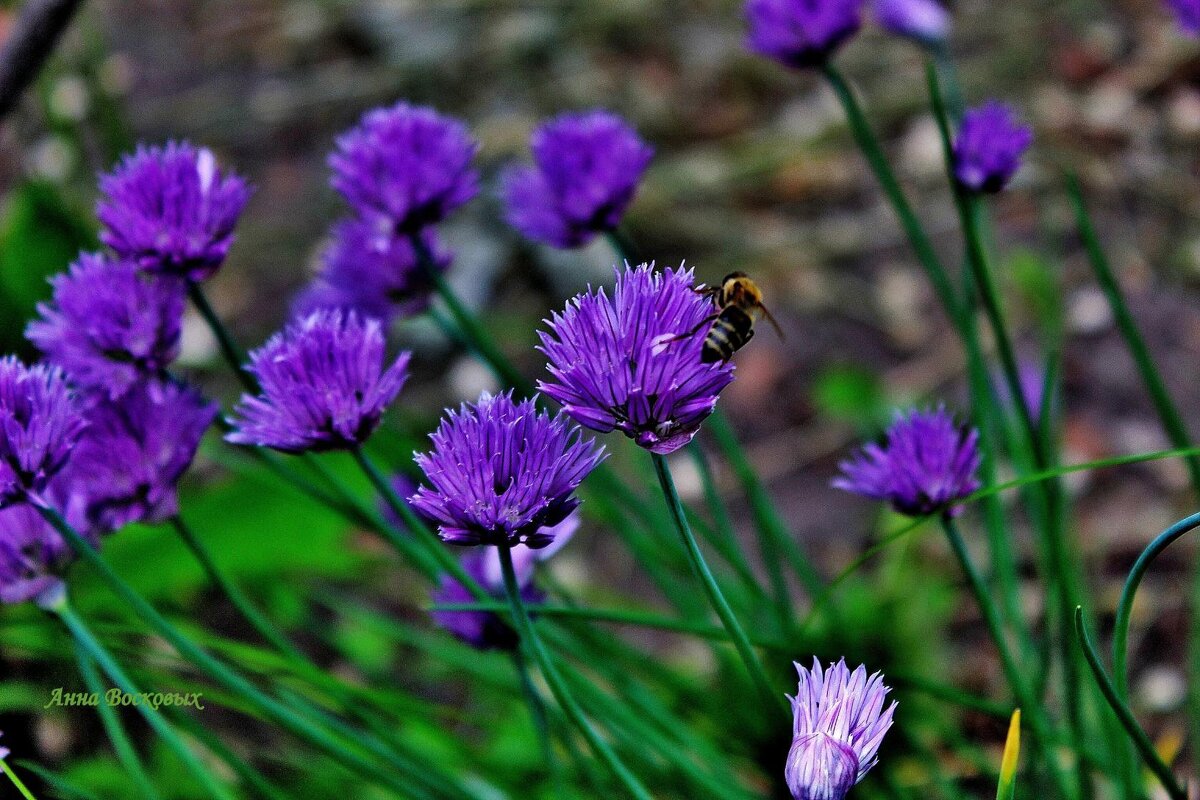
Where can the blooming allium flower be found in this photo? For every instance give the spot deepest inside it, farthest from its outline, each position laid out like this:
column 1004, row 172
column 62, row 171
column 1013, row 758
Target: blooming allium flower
column 373, row 271
column 171, row 209
column 133, row 453
column 40, row 420
column 110, row 326
column 838, row 724
column 926, row 464
column 629, row 364
column 1187, row 14
column 32, row 552
column 407, row 165
column 324, row 385
column 503, row 473
column 989, row 147
column 486, row 630
column 801, row 33
column 927, row 21
column 586, row 170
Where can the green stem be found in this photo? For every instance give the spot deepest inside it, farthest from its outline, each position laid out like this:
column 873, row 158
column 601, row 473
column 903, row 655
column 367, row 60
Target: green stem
column 225, row 342
column 537, row 713
column 215, row 669
column 236, row 596
column 126, row 753
column 1125, row 606
column 96, row 651
column 1012, row 670
column 774, row 536
column 715, row 597
column 568, row 703
column 878, row 162
column 1140, row 740
column 12, row 776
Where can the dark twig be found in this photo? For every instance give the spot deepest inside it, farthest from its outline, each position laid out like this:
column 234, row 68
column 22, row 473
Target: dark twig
column 30, row 43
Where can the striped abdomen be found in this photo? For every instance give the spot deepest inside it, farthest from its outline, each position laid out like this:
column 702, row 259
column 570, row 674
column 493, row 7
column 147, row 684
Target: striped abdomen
column 732, row 329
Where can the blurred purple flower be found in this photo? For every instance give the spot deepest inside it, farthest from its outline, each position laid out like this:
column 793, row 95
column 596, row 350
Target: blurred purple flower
column 32, row 553
column 801, row 33
column 838, row 724
column 586, row 170
column 171, row 210
column 405, row 165
column 40, row 420
column 485, row 630
column 622, row 364
column 1032, row 378
column 1187, row 14
column 133, row 453
column 926, row 21
column 324, row 385
column 503, row 473
column 109, row 325
column 926, row 464
column 988, row 150
column 373, row 271
column 3, row 750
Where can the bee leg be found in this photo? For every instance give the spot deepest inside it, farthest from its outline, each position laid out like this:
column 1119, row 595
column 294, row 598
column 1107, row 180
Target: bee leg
column 771, row 319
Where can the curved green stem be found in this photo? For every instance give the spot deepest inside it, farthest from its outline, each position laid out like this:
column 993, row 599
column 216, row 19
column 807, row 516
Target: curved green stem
column 1125, row 606
column 1140, row 740
column 537, row 713
column 236, row 596
column 229, row 349
column 127, row 755
column 568, row 703
column 716, row 598
column 96, row 651
column 12, row 776
column 1012, row 670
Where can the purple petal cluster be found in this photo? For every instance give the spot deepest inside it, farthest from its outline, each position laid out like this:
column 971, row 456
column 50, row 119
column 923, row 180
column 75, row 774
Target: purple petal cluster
column 110, row 326
column 40, row 420
column 926, row 464
column 632, row 363
column 135, row 450
column 988, row 150
column 585, row 172
column 405, row 165
column 838, row 724
column 1187, row 14
column 32, row 552
column 503, row 473
column 926, row 21
column 373, row 271
column 801, row 33
column 324, row 385
column 171, row 210
column 485, row 630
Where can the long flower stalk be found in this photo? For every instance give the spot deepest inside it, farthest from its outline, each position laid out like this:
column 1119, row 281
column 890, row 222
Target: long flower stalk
column 561, row 693
column 716, row 598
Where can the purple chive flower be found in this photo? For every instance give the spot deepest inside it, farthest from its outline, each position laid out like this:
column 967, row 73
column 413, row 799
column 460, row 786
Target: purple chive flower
column 926, row 21
column 503, row 473
column 406, row 165
column 629, row 363
column 988, row 150
column 926, row 464
column 1187, row 14
column 586, row 171
column 109, row 326
column 324, row 385
column 32, row 552
column 171, row 209
column 801, row 33
column 838, row 724
column 374, row 272
column 485, row 630
column 40, row 420
column 1031, row 378
column 133, row 453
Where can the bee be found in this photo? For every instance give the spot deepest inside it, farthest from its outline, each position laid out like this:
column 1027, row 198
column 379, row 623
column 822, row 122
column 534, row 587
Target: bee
column 739, row 304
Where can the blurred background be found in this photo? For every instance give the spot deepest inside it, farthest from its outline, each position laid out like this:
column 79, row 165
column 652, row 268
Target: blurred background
column 755, row 171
